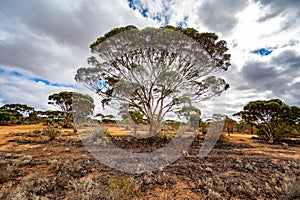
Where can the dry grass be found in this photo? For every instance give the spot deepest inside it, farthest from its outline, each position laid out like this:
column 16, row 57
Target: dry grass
column 243, row 168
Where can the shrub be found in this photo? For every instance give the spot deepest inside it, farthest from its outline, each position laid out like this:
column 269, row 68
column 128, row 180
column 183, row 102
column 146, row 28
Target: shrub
column 100, row 133
column 36, row 131
column 51, row 132
column 84, row 188
column 6, row 172
column 120, row 188
column 22, row 160
column 7, row 192
column 224, row 140
column 165, row 136
column 37, row 184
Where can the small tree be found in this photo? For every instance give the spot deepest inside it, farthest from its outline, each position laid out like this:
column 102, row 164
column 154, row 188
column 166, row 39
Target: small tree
column 51, row 116
column 271, row 118
column 248, row 127
column 156, row 71
column 203, row 126
column 106, row 118
column 229, row 125
column 192, row 114
column 19, row 111
column 72, row 102
column 6, row 118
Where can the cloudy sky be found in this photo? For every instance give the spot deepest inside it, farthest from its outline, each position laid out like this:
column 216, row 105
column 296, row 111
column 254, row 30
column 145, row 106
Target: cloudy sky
column 42, row 43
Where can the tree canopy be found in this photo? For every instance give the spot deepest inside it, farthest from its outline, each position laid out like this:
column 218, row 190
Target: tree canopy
column 155, row 71
column 72, row 102
column 15, row 113
column 272, row 118
column 229, row 125
column 7, row 118
column 18, row 110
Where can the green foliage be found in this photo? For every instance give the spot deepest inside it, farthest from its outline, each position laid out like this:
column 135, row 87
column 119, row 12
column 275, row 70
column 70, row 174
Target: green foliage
column 192, row 114
column 173, row 123
column 120, row 188
column 273, row 119
column 51, row 117
column 18, row 110
column 100, row 133
column 34, row 118
column 229, row 125
column 106, row 119
column 15, row 114
column 151, row 81
column 111, row 33
column 51, row 132
column 7, row 118
column 72, row 102
column 209, row 41
column 36, row 131
column 109, row 121
column 137, row 117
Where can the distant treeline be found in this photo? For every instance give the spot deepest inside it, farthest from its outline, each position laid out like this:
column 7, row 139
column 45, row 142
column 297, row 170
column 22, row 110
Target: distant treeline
column 271, row 119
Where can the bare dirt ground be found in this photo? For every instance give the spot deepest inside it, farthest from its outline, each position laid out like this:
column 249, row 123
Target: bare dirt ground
column 239, row 167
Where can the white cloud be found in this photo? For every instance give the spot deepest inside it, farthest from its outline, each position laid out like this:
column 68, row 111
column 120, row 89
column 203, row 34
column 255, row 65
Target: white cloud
column 19, row 89
column 50, row 40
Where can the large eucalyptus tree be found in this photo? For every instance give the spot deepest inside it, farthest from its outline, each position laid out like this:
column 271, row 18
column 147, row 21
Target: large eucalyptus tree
column 155, row 71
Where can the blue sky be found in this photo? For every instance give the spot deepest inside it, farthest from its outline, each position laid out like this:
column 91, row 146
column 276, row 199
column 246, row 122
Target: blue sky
column 41, row 51
column 37, row 80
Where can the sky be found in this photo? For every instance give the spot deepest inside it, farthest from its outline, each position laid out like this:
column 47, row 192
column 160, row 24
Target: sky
column 43, row 43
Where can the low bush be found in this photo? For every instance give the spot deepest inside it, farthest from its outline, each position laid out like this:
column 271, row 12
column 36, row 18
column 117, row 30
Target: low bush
column 101, row 133
column 51, row 132
column 120, row 188
column 36, row 131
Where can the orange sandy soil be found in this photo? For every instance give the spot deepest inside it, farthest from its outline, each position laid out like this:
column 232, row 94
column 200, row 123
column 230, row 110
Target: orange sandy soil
column 7, row 133
column 20, row 128
column 224, row 171
column 290, row 152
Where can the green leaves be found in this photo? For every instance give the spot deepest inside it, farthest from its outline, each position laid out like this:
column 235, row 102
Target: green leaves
column 155, row 70
column 209, row 41
column 111, row 33
column 18, row 110
column 15, row 113
column 6, row 118
column 72, row 102
column 271, row 117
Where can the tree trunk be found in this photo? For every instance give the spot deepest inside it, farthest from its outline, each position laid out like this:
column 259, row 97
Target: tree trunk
column 154, row 128
column 67, row 121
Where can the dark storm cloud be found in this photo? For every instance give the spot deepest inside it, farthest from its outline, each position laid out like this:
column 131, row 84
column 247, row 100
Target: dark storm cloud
column 220, row 15
column 258, row 72
column 278, row 75
column 288, row 60
column 279, row 7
